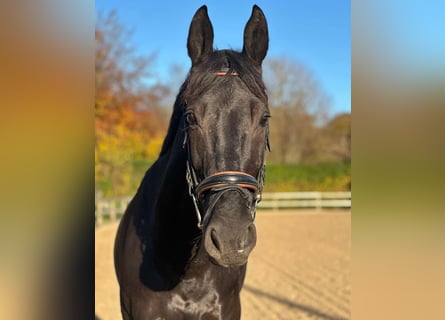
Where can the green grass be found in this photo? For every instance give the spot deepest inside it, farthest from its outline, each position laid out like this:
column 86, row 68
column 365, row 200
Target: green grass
column 301, row 177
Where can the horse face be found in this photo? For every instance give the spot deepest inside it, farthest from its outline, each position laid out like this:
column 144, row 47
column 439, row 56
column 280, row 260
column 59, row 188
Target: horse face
column 228, row 132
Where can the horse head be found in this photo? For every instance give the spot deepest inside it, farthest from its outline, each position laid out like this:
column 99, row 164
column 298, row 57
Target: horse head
column 225, row 116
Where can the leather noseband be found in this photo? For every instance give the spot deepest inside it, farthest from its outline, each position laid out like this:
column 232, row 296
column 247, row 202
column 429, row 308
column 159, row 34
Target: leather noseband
column 227, row 178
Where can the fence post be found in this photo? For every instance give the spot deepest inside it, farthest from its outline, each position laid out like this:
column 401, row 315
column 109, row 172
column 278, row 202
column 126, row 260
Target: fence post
column 121, row 210
column 318, row 201
column 123, row 205
column 99, row 212
column 113, row 210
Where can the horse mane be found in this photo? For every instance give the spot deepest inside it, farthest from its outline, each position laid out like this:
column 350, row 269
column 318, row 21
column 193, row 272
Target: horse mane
column 202, row 76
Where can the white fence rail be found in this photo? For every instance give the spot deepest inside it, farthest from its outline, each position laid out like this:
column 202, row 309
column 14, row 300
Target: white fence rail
column 111, row 209
column 296, row 200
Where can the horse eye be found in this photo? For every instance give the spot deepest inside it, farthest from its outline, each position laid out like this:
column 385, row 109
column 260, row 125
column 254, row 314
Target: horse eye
column 265, row 119
column 190, row 118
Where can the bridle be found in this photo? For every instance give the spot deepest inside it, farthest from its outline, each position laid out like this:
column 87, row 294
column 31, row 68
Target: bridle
column 222, row 181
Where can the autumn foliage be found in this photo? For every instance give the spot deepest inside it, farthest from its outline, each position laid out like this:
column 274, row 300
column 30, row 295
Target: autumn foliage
column 129, row 119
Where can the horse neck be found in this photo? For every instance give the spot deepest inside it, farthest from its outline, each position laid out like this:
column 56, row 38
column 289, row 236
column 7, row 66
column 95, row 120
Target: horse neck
column 173, row 220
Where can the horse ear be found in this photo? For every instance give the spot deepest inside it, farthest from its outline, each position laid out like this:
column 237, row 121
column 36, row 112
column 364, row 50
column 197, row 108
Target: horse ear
column 256, row 36
column 200, row 38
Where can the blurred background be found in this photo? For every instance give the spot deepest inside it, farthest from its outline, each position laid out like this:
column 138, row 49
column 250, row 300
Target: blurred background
column 141, row 61
column 48, row 138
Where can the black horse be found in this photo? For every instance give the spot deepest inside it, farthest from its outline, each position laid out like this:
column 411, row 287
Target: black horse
column 182, row 246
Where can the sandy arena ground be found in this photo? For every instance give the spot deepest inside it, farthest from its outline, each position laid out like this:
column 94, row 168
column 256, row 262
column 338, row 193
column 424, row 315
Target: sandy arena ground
column 300, row 268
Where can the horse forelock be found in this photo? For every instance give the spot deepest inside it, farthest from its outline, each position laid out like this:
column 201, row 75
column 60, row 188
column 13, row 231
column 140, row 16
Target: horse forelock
column 204, row 75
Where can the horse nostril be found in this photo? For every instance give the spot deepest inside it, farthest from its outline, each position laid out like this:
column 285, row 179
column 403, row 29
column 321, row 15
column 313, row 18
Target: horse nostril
column 251, row 230
column 251, row 237
column 215, row 240
column 247, row 241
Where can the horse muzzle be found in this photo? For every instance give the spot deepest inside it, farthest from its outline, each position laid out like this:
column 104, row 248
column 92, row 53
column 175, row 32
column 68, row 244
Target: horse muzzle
column 229, row 249
column 229, row 234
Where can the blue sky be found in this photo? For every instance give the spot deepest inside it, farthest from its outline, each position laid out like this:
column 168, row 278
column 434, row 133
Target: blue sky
column 405, row 38
column 315, row 33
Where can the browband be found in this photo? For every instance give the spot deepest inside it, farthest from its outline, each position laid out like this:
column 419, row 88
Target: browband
column 224, row 72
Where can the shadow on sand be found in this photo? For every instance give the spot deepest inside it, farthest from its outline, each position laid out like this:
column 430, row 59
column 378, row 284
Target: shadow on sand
column 291, row 304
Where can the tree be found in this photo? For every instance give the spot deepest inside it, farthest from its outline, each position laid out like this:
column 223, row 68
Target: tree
column 337, row 138
column 298, row 106
column 129, row 118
